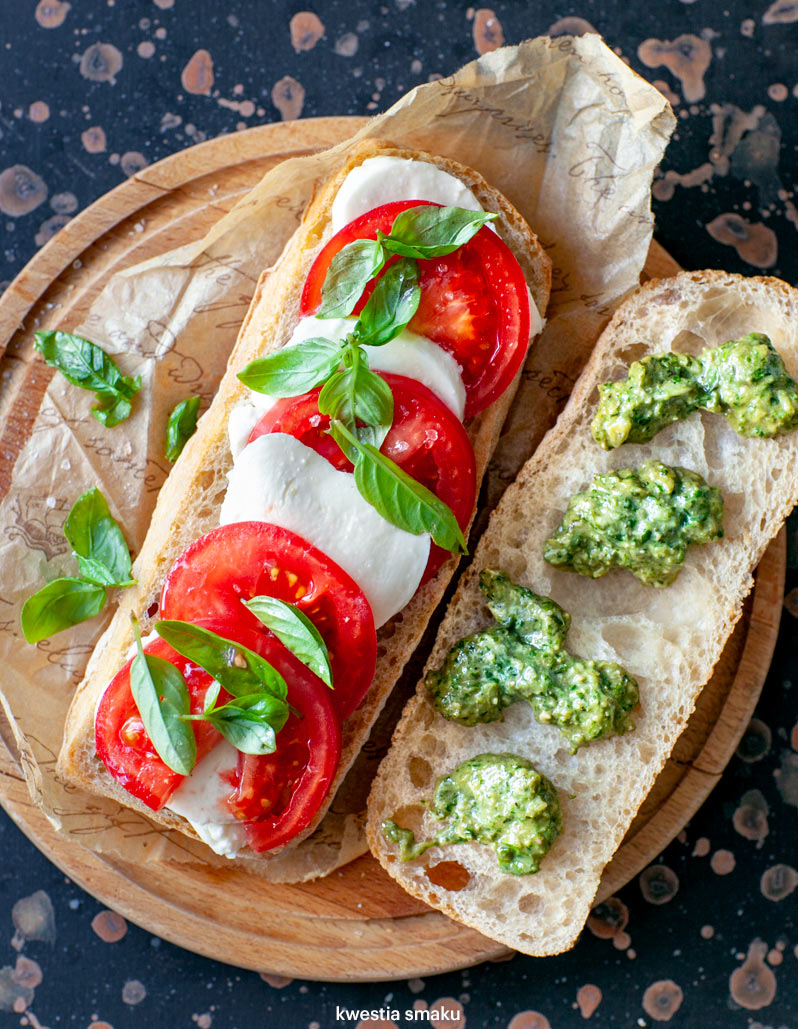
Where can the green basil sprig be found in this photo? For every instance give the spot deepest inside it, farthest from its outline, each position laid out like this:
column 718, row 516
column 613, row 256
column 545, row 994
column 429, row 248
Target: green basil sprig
column 359, row 398
column 292, row 371
column 103, row 560
column 59, row 605
column 235, row 667
column 97, row 541
column 249, row 721
column 87, row 365
column 422, row 232
column 391, row 306
column 350, row 270
column 294, row 630
column 398, row 497
column 427, row 231
column 162, row 697
column 181, row 427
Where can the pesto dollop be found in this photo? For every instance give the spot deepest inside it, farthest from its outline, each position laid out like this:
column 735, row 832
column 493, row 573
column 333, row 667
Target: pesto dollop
column 524, row 657
column 642, row 519
column 499, row 800
column 743, row 379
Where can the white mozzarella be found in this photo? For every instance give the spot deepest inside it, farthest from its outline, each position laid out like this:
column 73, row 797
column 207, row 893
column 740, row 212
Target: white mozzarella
column 200, row 799
column 381, row 180
column 536, row 322
column 408, row 354
column 244, row 417
column 277, row 479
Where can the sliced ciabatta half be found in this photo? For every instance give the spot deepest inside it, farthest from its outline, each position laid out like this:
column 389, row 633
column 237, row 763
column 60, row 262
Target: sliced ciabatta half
column 190, row 500
column 668, row 638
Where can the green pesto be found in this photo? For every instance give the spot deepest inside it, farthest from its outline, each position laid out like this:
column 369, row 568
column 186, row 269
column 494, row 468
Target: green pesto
column 500, row 800
column 743, row 379
column 642, row 519
column 524, row 657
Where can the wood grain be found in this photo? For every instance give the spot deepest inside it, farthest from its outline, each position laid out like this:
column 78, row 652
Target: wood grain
column 356, row 924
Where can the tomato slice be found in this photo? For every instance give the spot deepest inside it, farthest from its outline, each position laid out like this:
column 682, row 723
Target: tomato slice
column 247, row 559
column 426, row 440
column 282, row 791
column 276, row 795
column 122, row 742
column 474, row 303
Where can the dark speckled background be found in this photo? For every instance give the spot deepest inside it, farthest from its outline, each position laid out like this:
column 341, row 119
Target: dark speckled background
column 92, row 91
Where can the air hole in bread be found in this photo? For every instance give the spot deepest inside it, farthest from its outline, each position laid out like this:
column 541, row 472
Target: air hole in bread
column 429, row 745
column 427, row 716
column 632, row 352
column 686, row 342
column 449, row 875
column 529, row 903
column 420, row 772
column 409, row 816
column 205, row 481
column 152, row 610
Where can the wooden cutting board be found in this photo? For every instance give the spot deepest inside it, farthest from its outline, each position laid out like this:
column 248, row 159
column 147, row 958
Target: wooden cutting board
column 356, row 924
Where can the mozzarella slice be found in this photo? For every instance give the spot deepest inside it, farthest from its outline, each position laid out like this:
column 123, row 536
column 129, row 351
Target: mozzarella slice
column 244, row 417
column 200, row 799
column 408, row 354
column 381, row 180
column 277, row 479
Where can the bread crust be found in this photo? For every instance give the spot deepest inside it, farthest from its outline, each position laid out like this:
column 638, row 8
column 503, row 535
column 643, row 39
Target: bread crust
column 670, row 639
column 189, row 501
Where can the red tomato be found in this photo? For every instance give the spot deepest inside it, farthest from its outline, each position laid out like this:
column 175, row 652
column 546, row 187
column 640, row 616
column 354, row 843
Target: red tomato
column 426, row 440
column 122, row 743
column 474, row 303
column 276, row 795
column 248, row 559
column 282, row 791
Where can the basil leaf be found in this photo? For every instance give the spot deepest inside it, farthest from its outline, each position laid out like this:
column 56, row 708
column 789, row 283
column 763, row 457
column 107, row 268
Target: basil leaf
column 211, row 695
column 295, row 631
column 295, row 370
column 161, row 695
column 391, row 306
column 181, row 427
column 427, row 231
column 357, row 395
column 86, row 365
column 97, row 541
column 111, row 409
column 250, row 723
column 349, row 273
column 236, row 668
column 373, row 405
column 399, row 498
column 59, row 605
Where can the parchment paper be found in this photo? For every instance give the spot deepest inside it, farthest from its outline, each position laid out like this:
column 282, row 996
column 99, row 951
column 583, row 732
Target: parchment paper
column 561, row 126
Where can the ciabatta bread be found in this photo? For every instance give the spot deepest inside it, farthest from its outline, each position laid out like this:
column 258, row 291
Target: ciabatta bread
column 669, row 639
column 189, row 502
